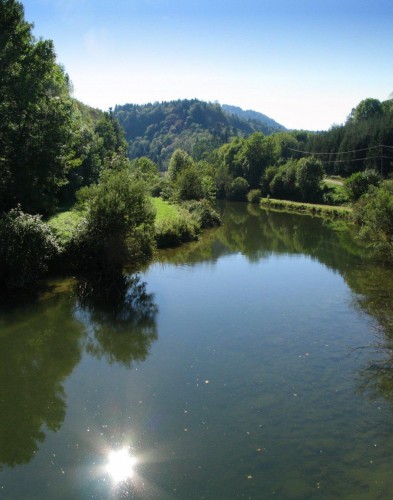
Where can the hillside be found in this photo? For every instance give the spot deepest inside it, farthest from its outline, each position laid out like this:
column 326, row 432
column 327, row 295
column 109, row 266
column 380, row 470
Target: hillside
column 254, row 116
column 156, row 130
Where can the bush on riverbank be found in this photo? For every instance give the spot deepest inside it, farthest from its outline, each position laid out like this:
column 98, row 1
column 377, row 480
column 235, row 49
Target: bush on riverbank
column 174, row 232
column 118, row 226
column 27, row 246
column 177, row 224
column 204, row 212
column 374, row 215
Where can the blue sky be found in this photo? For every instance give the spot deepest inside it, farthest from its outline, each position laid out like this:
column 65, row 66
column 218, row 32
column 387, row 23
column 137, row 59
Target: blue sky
column 305, row 63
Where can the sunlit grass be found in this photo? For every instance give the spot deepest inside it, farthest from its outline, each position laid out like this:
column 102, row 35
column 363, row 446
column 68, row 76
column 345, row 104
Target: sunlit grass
column 165, row 211
column 64, row 224
column 310, row 208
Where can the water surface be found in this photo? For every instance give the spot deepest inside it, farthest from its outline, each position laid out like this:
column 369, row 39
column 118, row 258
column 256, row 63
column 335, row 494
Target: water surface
column 254, row 363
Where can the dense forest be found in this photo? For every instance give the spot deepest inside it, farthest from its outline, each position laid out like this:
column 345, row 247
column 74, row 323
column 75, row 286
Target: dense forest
column 249, row 114
column 157, row 130
column 364, row 141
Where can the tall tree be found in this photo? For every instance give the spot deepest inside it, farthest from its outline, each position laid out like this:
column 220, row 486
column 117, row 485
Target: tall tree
column 36, row 116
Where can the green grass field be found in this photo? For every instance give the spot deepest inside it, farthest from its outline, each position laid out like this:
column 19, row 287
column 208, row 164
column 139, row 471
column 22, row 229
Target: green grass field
column 165, row 211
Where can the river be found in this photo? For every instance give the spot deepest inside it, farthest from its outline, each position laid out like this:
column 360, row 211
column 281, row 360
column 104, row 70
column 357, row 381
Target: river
column 255, row 363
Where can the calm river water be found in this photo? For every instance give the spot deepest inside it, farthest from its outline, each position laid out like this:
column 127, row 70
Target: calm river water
column 255, row 363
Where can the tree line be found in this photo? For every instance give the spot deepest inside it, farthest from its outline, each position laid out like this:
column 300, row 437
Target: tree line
column 56, row 153
column 156, row 130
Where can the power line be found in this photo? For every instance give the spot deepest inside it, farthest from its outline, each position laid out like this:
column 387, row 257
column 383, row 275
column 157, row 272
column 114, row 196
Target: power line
column 358, row 159
column 341, row 152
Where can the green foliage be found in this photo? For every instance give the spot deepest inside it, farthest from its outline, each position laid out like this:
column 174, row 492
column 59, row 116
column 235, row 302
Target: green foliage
column 64, row 226
column 364, row 142
column 238, row 189
column 309, row 175
column 204, row 212
column 284, row 183
column 368, row 108
column 294, row 180
column 36, row 116
column 267, row 178
column 118, row 229
column 157, row 130
column 358, row 183
column 27, row 246
column 112, row 136
column 180, row 160
column 254, row 196
column 308, row 208
column 164, row 210
column 374, row 214
column 254, row 116
column 175, row 231
column 334, row 194
column 189, row 184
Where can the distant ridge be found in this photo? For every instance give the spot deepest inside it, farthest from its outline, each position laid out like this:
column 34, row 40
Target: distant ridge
column 157, row 129
column 249, row 114
column 390, row 96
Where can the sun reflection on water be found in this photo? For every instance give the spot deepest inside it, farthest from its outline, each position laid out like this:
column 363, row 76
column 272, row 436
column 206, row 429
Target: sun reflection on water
column 121, row 465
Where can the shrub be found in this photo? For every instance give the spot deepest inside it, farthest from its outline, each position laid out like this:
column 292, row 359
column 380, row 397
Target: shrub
column 374, row 214
column 309, row 176
column 267, row 178
column 64, row 226
column 119, row 224
column 204, row 212
column 27, row 246
column 237, row 190
column 254, row 196
column 358, row 183
column 157, row 186
column 189, row 184
column 174, row 232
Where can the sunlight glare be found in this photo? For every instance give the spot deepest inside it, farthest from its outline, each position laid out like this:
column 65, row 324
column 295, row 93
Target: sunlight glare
column 120, row 465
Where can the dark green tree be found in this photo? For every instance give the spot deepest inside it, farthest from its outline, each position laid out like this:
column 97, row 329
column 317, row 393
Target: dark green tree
column 180, row 160
column 374, row 214
column 309, row 175
column 189, row 184
column 368, row 108
column 27, row 246
column 119, row 226
column 358, row 183
column 238, row 189
column 36, row 112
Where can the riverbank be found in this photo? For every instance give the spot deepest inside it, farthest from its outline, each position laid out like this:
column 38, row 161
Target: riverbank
column 337, row 212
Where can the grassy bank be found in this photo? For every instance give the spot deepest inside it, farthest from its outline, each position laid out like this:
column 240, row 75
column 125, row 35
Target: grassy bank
column 164, row 210
column 177, row 224
column 341, row 212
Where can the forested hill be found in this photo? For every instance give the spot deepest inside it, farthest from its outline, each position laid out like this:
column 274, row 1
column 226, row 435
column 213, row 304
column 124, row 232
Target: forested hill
column 157, row 130
column 249, row 114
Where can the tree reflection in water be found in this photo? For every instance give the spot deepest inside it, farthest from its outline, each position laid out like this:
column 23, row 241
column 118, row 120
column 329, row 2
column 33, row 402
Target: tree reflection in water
column 374, row 286
column 120, row 317
column 37, row 354
column 42, row 342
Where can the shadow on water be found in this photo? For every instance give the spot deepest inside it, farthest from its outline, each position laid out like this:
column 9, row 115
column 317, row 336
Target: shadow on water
column 41, row 343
